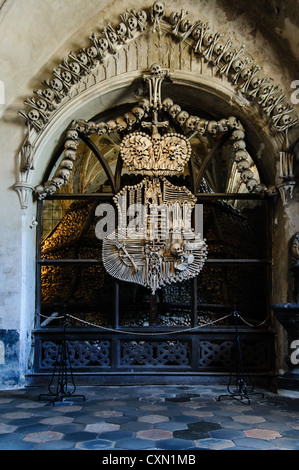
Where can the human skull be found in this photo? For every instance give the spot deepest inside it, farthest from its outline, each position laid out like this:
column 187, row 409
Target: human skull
column 237, row 65
column 182, row 117
column 246, row 73
column 243, row 165
column 56, row 84
column 145, row 104
column 121, row 29
column 174, row 110
column 285, row 120
column 238, row 135
column 33, row 115
column 63, row 173
column 192, row 122
column 75, row 67
column 103, row 44
column 41, row 104
column 72, row 134
column 66, row 76
column 130, row 118
column 167, row 103
column 112, row 126
column 158, row 9
column 70, row 144
column 212, row 127
column 156, row 69
column 227, row 56
column 66, row 163
column 82, row 57
column 202, row 126
column 240, row 155
column 142, row 16
column 255, row 81
column 222, row 125
column 92, row 52
column 280, row 108
column 48, row 94
column 50, row 187
column 121, row 124
column 207, row 40
column 197, row 32
column 239, row 145
column 233, row 122
column 251, row 184
column 156, row 138
column 101, row 128
column 138, row 112
column 176, row 250
column 260, row 188
column 58, row 182
column 246, row 175
column 218, row 48
column 185, row 25
column 132, row 22
column 41, row 192
column 70, row 154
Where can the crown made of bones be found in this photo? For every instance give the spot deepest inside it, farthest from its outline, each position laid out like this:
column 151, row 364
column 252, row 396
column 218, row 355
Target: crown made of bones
column 155, row 155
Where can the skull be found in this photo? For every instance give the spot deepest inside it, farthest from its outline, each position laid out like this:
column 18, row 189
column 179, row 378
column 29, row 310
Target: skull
column 139, row 152
column 191, row 122
column 280, row 108
column 246, row 73
column 218, row 48
column 82, row 57
column 243, row 165
column 58, row 182
column 158, row 9
column 212, row 127
column 41, row 104
column 174, row 110
column 49, row 94
column 202, row 126
column 112, row 36
column 70, row 154
column 182, row 117
column 196, row 32
column 72, row 134
column 92, row 52
column 207, row 40
column 156, row 138
column 285, row 120
column 142, row 16
column 246, row 175
column 50, row 187
column 33, row 115
column 132, row 22
column 238, row 135
column 41, row 192
column 237, row 65
column 67, row 164
column 239, row 145
column 222, row 125
column 251, row 184
column 240, row 155
column 145, row 104
column 112, row 126
column 121, row 124
column 56, row 84
column 63, row 173
column 121, row 29
column 156, row 69
column 185, row 25
column 66, row 76
column 101, row 128
column 228, row 55
column 232, row 122
column 138, row 112
column 167, row 103
column 103, row 44
column 75, row 67
column 70, row 144
column 255, row 81
column 130, row 118
column 260, row 188
column 176, row 250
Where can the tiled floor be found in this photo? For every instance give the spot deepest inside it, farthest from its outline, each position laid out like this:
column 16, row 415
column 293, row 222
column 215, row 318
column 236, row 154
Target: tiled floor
column 148, row 417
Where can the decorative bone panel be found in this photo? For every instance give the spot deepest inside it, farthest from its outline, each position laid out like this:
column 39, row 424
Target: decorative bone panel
column 159, row 247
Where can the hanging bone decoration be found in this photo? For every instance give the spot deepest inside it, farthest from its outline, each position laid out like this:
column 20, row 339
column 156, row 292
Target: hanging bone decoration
column 229, row 61
column 286, row 172
column 159, row 247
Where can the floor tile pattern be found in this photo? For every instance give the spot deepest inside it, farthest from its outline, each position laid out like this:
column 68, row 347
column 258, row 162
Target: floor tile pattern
column 148, row 417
